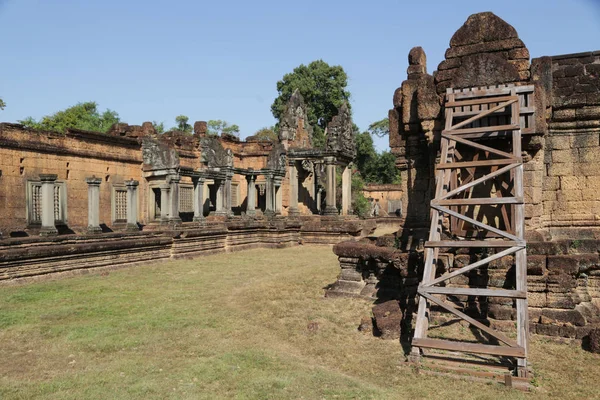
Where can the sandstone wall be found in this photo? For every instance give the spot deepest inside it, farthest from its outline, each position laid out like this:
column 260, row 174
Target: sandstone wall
column 385, row 194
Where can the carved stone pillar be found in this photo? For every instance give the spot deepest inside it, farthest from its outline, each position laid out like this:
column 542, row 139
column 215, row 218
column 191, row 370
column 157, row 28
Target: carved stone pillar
column 220, row 187
column 132, row 201
column 293, row 174
column 277, row 197
column 48, row 228
column 198, row 199
column 94, row 204
column 269, row 196
column 251, row 196
column 347, row 191
column 174, row 200
column 228, row 193
column 330, row 208
column 164, row 202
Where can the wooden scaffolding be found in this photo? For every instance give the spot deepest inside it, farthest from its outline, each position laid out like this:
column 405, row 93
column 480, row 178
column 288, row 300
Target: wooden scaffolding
column 478, row 204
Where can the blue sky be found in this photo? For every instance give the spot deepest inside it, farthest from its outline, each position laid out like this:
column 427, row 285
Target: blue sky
column 154, row 59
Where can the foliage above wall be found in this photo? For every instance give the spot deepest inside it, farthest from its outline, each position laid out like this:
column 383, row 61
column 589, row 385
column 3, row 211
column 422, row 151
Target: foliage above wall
column 83, row 116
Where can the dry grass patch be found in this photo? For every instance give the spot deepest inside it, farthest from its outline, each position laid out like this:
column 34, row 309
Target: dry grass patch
column 245, row 325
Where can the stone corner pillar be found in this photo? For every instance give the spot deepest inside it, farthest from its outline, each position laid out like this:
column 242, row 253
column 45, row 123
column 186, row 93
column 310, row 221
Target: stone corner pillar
column 48, row 228
column 227, row 194
column 330, row 207
column 198, row 199
column 251, row 196
column 293, row 201
column 277, row 197
column 132, row 203
column 93, row 204
column 174, row 200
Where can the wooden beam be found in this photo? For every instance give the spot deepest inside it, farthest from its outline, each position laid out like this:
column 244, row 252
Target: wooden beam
column 483, row 114
column 491, row 91
column 471, row 102
column 478, row 181
column 458, row 291
column 503, row 338
column 482, row 130
column 479, row 146
column 480, row 201
column 476, row 264
column 476, row 223
column 474, row 243
column 482, row 163
column 469, row 347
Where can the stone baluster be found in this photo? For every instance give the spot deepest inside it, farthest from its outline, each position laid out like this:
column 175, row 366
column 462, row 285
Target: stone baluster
column 132, row 201
column 174, row 199
column 94, row 204
column 48, row 228
column 198, row 199
column 293, row 173
column 330, row 207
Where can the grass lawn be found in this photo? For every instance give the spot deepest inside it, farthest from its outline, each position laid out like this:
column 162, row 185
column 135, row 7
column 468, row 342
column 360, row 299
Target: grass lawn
column 248, row 325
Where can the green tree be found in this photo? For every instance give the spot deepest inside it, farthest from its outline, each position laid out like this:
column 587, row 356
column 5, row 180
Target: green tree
column 217, row 127
column 2, row 104
column 374, row 167
column 323, row 88
column 159, row 127
column 182, row 124
column 380, row 128
column 83, row 116
column 267, row 134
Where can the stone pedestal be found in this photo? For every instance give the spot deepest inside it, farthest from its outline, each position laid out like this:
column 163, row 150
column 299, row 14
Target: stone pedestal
column 199, row 199
column 330, row 207
column 48, row 228
column 132, row 209
column 94, row 204
column 347, row 191
column 251, row 196
column 174, row 200
column 293, row 174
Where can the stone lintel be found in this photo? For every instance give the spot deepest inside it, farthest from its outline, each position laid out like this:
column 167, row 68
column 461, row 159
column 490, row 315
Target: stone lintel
column 48, row 177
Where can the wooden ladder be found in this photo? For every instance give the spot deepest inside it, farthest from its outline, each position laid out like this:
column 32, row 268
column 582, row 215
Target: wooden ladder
column 494, row 116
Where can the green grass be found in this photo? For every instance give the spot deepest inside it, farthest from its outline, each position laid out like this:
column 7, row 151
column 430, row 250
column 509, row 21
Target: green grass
column 228, row 326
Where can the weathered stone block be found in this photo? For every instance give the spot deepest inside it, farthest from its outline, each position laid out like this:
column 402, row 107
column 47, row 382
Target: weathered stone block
column 536, row 265
column 559, row 142
column 388, row 317
column 569, row 316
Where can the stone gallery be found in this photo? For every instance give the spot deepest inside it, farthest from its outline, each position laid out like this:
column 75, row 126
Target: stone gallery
column 78, row 199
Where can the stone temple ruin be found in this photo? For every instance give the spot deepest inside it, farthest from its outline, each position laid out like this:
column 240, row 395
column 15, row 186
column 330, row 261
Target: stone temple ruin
column 76, row 199
column 549, row 193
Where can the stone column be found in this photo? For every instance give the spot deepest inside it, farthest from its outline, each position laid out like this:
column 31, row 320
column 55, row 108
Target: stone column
column 347, row 191
column 269, row 206
column 174, row 200
column 330, row 208
column 198, row 199
column 227, row 194
column 48, row 228
column 94, row 204
column 132, row 211
column 164, row 202
column 277, row 198
column 319, row 192
column 220, row 185
column 251, row 196
column 293, row 171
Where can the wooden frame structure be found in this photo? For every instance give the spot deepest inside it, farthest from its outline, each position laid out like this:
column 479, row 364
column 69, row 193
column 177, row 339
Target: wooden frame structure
column 486, row 123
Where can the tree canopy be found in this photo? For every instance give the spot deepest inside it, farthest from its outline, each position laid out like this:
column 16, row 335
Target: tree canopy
column 216, row 127
column 265, row 133
column 374, row 167
column 380, row 128
column 323, row 88
column 182, row 124
column 2, row 104
column 83, row 116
